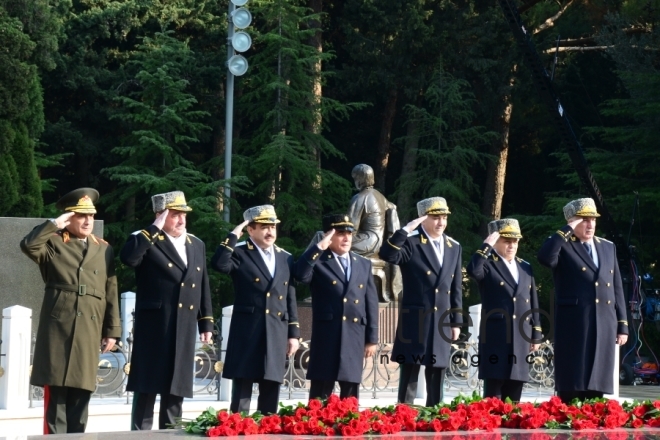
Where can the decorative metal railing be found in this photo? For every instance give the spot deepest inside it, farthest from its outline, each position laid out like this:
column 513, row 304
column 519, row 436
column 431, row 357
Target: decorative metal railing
column 380, row 373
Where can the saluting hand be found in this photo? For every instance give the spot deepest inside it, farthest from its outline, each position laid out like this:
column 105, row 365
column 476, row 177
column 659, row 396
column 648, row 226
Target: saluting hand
column 63, row 221
column 238, row 230
column 492, row 238
column 160, row 219
column 574, row 221
column 327, row 238
column 413, row 224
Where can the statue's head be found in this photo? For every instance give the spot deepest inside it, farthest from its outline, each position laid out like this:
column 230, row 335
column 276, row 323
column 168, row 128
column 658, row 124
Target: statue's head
column 363, row 175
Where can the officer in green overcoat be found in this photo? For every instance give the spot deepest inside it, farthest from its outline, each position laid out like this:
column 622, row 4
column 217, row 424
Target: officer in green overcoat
column 79, row 313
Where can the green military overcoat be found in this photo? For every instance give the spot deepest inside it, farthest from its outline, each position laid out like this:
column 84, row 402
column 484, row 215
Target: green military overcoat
column 80, row 306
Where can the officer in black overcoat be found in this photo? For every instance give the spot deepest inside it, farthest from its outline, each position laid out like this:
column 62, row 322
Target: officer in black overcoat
column 172, row 304
column 344, row 309
column 510, row 327
column 431, row 306
column 590, row 314
column 264, row 327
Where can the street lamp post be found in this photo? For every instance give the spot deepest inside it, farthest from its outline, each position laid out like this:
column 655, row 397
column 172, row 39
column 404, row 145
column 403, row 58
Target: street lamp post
column 236, row 66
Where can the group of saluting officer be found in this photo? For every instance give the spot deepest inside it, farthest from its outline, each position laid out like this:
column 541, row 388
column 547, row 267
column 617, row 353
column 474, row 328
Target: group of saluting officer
column 173, row 304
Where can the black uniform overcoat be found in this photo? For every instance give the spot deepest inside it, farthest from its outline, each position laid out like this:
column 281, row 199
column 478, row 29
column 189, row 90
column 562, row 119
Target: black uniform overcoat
column 344, row 315
column 172, row 305
column 431, row 299
column 80, row 306
column 265, row 313
column 509, row 315
column 590, row 311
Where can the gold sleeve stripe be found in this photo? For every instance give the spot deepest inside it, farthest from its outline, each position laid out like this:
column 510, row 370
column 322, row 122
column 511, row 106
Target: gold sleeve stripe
column 538, row 328
column 146, row 234
column 390, row 243
column 210, row 318
column 230, row 248
column 623, row 321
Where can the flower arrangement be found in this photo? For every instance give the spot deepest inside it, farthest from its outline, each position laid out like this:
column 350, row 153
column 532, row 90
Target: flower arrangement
column 336, row 416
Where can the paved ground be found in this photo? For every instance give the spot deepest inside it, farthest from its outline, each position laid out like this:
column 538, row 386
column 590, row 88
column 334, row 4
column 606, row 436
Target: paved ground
column 109, row 416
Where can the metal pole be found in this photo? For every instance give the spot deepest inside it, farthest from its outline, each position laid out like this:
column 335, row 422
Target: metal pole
column 229, row 111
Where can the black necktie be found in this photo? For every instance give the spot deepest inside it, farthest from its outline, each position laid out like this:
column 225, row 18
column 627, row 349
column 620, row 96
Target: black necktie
column 587, row 246
column 344, row 264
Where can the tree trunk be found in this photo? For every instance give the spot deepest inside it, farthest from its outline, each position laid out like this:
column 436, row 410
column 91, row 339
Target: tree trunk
column 384, row 141
column 404, row 200
column 316, row 41
column 496, row 172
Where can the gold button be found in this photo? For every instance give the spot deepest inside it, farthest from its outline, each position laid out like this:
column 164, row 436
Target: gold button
column 448, row 292
column 267, row 294
column 608, row 301
column 435, row 308
column 256, row 280
column 452, row 275
column 355, row 320
column 198, row 269
column 428, row 272
column 530, row 286
column 501, row 283
column 267, row 311
column 597, row 301
column 527, row 319
column 286, row 282
column 514, row 300
column 584, row 269
column 514, row 316
column 334, row 282
column 527, row 300
column 361, row 286
column 279, row 313
column 169, row 264
column 182, row 284
column 280, row 297
column 180, row 305
column 611, row 271
column 344, row 318
column 193, row 286
column 345, row 300
column 596, row 283
column 436, row 290
column 191, row 307
column 447, row 309
column 357, row 301
column 608, row 284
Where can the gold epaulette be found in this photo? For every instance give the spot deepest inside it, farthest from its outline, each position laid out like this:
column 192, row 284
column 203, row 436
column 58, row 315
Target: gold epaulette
column 279, row 249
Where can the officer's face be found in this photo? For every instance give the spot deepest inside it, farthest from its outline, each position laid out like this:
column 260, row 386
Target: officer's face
column 263, row 234
column 81, row 225
column 175, row 223
column 435, row 225
column 506, row 247
column 586, row 229
column 341, row 242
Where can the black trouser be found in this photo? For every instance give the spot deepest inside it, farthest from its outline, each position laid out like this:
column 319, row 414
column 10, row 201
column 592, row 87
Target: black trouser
column 241, row 394
column 435, row 378
column 142, row 415
column 567, row 396
column 503, row 388
column 321, row 389
column 65, row 409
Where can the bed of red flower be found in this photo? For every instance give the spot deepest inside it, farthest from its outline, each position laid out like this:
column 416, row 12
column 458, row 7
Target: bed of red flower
column 342, row 417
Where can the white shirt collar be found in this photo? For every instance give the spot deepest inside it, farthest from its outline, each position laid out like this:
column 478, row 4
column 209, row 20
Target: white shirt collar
column 179, row 245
